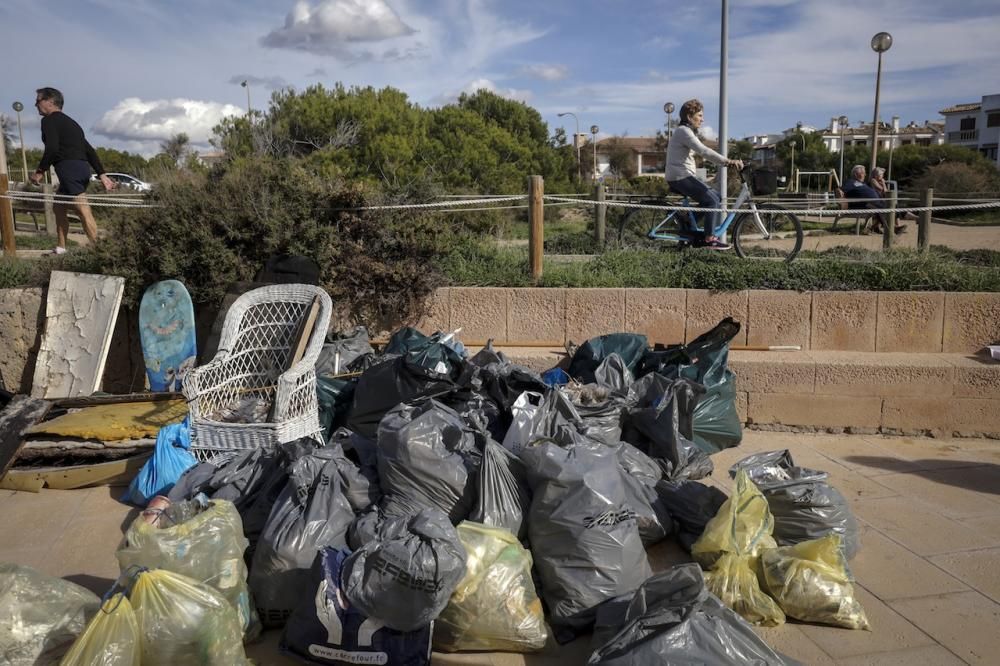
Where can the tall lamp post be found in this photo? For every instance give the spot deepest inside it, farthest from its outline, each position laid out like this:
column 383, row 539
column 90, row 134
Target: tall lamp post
column 798, row 129
column 843, row 125
column 594, row 129
column 18, row 108
column 669, row 108
column 576, row 142
column 880, row 44
column 246, row 85
column 892, row 145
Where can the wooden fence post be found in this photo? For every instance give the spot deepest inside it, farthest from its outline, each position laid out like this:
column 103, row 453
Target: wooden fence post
column 600, row 214
column 50, row 209
column 536, row 229
column 6, row 211
column 890, row 227
column 924, row 223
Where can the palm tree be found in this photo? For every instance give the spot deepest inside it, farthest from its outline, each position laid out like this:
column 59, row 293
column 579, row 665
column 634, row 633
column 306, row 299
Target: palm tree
column 176, row 147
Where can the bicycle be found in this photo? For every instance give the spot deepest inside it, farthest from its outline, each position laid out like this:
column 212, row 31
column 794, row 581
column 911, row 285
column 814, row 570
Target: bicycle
column 758, row 230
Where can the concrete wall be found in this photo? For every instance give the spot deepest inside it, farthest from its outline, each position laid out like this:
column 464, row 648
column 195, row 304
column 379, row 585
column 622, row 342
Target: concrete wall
column 921, row 322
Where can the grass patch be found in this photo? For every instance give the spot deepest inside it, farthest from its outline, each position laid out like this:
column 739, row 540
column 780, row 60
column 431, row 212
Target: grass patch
column 838, row 269
column 981, row 218
column 40, row 242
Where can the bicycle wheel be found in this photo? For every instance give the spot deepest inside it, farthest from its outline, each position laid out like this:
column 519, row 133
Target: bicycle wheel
column 633, row 229
column 782, row 241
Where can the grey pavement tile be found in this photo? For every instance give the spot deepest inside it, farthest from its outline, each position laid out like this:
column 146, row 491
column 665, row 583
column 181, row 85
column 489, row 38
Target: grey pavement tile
column 37, row 519
column 889, row 631
column 791, row 641
column 964, row 622
column 957, row 493
column 917, row 526
column 988, row 525
column 923, row 656
column 926, row 453
column 890, row 571
column 860, row 455
column 979, row 568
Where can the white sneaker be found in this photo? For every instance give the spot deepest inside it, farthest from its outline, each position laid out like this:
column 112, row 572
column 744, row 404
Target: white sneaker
column 59, row 250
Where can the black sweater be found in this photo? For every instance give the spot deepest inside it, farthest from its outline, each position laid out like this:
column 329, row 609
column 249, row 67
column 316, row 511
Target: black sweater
column 64, row 140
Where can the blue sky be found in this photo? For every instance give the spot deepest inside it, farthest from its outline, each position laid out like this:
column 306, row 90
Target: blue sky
column 136, row 72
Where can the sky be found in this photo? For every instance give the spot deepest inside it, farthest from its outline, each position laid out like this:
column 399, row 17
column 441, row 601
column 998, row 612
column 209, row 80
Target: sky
column 136, row 72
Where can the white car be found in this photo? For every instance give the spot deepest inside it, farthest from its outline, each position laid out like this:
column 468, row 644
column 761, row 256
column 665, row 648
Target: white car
column 123, row 180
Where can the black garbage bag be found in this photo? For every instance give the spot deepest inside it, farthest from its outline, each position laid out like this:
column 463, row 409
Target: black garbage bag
column 691, row 504
column 803, row 504
column 503, row 496
column 194, row 480
column 324, row 629
column 582, row 528
column 428, row 456
column 341, row 350
column 311, row 511
column 673, row 619
column 660, row 423
column 363, row 452
column 630, row 347
column 716, row 424
column 504, row 380
column 424, row 368
column 406, row 575
column 640, row 474
column 367, row 524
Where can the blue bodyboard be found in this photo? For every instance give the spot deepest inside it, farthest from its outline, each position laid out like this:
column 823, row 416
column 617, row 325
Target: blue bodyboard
column 166, row 330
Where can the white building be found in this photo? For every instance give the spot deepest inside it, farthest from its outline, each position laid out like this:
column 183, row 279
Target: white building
column 889, row 135
column 975, row 125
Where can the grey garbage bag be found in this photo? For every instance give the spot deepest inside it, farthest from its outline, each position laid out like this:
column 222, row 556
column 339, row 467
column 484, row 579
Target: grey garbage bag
column 673, row 620
column 428, row 456
column 613, row 373
column 640, row 475
column 366, row 525
column 364, row 453
column 312, row 511
column 341, row 349
column 40, row 615
column 691, row 504
column 803, row 504
column 556, row 418
column 600, row 410
column 582, row 529
column 406, row 576
column 660, row 422
column 503, row 497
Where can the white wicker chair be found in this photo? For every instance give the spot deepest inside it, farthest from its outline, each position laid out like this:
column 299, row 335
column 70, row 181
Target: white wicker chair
column 254, row 352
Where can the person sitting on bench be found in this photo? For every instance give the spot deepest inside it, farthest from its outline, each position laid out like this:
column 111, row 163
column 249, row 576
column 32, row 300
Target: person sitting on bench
column 855, row 188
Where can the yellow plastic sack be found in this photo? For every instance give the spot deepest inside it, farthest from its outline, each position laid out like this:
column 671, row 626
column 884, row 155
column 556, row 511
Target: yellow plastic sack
column 111, row 638
column 742, row 526
column 207, row 546
column 185, row 622
column 734, row 580
column 811, row 582
column 495, row 606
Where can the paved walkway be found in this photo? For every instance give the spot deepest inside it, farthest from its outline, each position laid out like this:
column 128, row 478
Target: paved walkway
column 927, row 573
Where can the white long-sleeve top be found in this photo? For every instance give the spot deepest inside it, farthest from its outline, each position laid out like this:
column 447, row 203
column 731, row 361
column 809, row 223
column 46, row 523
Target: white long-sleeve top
column 681, row 149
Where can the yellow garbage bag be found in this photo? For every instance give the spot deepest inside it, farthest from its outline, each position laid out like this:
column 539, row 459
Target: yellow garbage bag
column 811, row 582
column 495, row 606
column 734, row 580
column 185, row 622
column 111, row 423
column 111, row 638
column 742, row 526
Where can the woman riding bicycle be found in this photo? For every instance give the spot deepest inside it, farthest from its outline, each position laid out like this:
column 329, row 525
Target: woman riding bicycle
column 681, row 174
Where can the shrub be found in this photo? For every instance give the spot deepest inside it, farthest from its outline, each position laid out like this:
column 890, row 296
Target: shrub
column 958, row 179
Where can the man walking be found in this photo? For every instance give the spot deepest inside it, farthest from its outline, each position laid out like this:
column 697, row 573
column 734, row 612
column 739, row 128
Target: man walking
column 67, row 150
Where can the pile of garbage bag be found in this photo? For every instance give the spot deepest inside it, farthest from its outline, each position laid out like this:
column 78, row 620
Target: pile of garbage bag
column 468, row 503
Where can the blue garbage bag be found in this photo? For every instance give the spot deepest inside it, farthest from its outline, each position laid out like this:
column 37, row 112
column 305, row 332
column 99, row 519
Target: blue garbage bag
column 171, row 458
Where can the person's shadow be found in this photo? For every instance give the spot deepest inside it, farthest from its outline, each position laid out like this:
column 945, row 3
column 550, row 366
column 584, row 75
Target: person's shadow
column 981, row 477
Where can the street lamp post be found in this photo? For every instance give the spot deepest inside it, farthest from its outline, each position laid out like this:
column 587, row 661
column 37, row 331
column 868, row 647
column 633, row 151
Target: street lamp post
column 798, row 127
column 246, row 85
column 843, row 125
column 669, row 108
column 880, row 44
column 594, row 129
column 18, row 107
column 892, row 146
column 576, row 142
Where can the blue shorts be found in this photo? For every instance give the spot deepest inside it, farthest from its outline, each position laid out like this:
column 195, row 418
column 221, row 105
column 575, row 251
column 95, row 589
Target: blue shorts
column 74, row 176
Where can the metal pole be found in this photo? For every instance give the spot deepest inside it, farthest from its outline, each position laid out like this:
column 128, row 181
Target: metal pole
column 842, row 149
column 246, row 84
column 892, row 146
column 724, row 106
column 20, row 134
column 791, row 172
column 576, row 144
column 890, row 227
column 878, row 84
column 600, row 212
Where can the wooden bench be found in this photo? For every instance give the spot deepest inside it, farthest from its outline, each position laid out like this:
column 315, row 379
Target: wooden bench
column 861, row 216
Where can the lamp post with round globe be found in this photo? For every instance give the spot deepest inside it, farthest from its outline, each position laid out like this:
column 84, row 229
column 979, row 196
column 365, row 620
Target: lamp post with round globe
column 880, row 44
column 843, row 125
column 669, row 108
column 594, row 129
column 18, row 108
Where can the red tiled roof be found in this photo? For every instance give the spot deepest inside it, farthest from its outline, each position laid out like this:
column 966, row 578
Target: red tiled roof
column 960, row 108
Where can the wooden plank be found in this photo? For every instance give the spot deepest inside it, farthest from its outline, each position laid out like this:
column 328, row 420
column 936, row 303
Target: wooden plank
column 22, row 413
column 92, row 400
column 80, row 315
column 301, row 339
column 117, row 472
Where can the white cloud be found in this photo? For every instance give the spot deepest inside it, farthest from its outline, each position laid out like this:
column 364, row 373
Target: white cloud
column 545, row 72
column 475, row 85
column 152, row 121
column 331, row 26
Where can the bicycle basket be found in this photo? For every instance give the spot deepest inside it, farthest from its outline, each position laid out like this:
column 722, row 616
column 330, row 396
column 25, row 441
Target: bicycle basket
column 764, row 182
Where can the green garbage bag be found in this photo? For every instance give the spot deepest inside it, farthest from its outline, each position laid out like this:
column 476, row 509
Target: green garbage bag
column 631, row 347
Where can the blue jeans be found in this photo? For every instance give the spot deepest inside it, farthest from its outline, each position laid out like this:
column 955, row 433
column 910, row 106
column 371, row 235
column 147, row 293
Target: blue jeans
column 706, row 197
